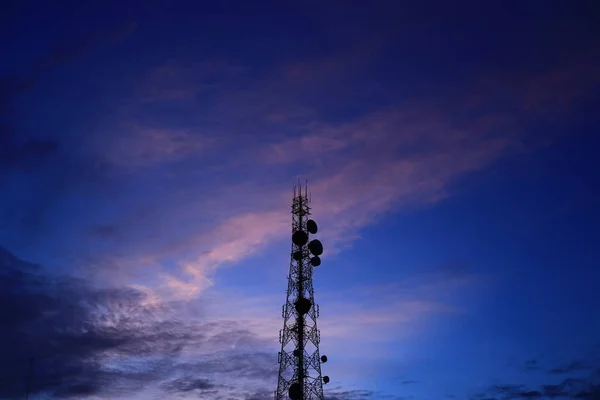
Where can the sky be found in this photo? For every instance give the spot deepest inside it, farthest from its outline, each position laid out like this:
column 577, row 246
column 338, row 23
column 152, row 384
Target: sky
column 148, row 153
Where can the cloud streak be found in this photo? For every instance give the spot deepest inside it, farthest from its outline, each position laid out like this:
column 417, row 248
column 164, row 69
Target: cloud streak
column 402, row 156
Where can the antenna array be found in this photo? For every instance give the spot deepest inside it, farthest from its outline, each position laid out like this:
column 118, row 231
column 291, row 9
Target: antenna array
column 299, row 360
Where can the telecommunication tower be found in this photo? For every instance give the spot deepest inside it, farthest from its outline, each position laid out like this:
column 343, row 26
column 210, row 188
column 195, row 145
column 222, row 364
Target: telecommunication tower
column 299, row 360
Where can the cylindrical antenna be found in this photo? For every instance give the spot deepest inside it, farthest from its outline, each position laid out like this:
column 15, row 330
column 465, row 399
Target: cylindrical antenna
column 306, row 189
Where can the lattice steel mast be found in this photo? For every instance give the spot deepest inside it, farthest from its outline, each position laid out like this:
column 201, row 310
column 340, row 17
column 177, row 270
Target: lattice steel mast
column 299, row 360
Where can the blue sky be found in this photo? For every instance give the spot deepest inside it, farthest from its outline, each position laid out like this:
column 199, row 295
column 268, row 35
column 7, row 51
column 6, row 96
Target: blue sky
column 148, row 152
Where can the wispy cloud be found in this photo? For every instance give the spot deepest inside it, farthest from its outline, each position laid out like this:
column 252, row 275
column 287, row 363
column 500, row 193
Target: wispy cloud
column 406, row 155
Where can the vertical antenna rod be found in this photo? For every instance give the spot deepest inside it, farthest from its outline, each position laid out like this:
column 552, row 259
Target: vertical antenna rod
column 299, row 361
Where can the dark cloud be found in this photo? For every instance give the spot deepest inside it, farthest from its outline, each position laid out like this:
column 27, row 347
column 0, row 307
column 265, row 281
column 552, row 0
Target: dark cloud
column 66, row 326
column 567, row 389
column 251, row 365
column 574, row 366
column 187, row 384
column 261, row 395
column 352, row 395
column 74, row 331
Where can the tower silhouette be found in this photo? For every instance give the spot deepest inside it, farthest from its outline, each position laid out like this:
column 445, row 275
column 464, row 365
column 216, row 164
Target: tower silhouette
column 299, row 360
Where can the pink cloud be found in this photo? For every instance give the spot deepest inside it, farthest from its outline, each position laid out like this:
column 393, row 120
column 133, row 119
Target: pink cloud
column 386, row 161
column 233, row 240
column 383, row 162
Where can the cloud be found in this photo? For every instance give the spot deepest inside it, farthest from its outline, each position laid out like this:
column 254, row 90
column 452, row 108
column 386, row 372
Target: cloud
column 399, row 158
column 188, row 384
column 358, row 324
column 567, row 389
column 574, row 366
column 235, row 239
column 93, row 341
column 406, row 155
column 114, row 342
column 340, row 394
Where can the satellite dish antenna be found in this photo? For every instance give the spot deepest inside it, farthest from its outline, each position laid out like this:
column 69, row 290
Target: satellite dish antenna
column 316, row 247
column 300, row 238
column 325, row 379
column 303, row 305
column 311, row 226
column 315, row 261
column 297, row 255
column 324, row 359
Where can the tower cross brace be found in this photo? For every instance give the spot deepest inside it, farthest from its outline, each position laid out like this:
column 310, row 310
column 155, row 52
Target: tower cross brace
column 299, row 359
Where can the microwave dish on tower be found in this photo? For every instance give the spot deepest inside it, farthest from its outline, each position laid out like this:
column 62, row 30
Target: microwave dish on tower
column 299, row 359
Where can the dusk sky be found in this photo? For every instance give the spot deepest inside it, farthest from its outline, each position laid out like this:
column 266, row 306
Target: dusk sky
column 148, row 153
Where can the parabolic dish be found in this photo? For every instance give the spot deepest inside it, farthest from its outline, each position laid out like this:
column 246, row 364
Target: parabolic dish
column 315, row 261
column 300, row 238
column 311, row 226
column 316, row 247
column 303, row 305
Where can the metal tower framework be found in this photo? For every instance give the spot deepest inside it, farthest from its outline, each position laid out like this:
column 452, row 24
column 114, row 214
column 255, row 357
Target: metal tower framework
column 299, row 360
